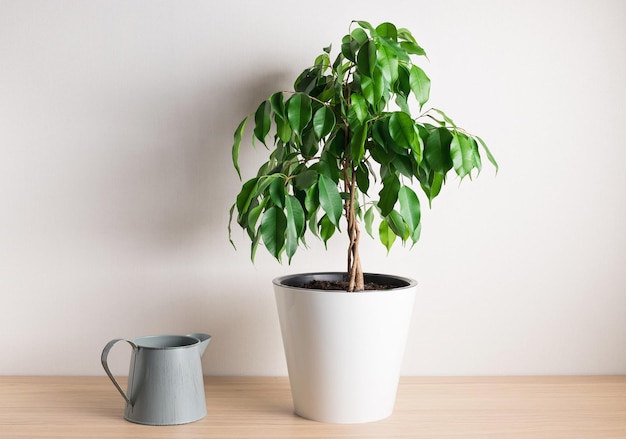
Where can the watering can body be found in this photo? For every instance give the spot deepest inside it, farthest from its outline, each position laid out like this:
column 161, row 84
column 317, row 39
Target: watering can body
column 165, row 381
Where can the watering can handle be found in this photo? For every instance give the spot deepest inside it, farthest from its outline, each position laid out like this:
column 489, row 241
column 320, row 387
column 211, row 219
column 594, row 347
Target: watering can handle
column 105, row 364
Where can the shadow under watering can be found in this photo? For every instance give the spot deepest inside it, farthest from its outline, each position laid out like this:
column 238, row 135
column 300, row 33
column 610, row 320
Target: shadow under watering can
column 165, row 381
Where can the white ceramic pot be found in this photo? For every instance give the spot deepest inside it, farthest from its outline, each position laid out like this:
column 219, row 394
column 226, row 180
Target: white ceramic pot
column 344, row 350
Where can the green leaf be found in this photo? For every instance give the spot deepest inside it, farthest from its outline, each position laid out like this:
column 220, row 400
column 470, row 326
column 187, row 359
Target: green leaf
column 404, row 165
column 323, row 122
column 403, row 84
column 388, row 194
column 309, row 143
column 362, row 178
column 448, row 120
column 387, row 30
column 327, row 229
column 402, row 103
column 420, row 85
column 295, row 224
column 305, row 179
column 322, row 61
column 388, row 62
column 416, row 234
column 380, row 135
column 386, row 235
column 410, row 209
column 237, row 145
column 265, row 182
column 418, row 148
column 328, row 165
column 276, row 100
column 396, row 49
column 437, row 150
column 245, row 196
column 434, row 186
column 307, row 81
column 489, row 155
column 313, row 225
column 412, row 48
column 402, row 129
column 230, row 221
column 349, row 47
column 462, row 155
column 366, row 58
column 262, row 121
column 255, row 244
column 330, row 199
column 368, row 219
column 283, row 129
column 295, row 214
column 359, row 35
column 397, row 225
column 273, row 227
column 357, row 143
column 277, row 192
column 366, row 25
column 478, row 163
column 380, row 154
column 405, row 34
column 409, row 44
column 373, row 88
column 311, row 200
column 253, row 217
column 328, row 93
column 299, row 112
column 358, row 108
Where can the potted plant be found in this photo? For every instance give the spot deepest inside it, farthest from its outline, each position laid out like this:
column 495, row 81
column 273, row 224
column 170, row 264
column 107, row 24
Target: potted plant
column 347, row 144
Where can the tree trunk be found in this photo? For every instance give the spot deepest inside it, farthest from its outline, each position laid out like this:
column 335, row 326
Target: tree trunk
column 355, row 272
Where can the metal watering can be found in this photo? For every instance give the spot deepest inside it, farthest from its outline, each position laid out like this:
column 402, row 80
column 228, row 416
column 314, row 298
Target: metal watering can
column 165, row 384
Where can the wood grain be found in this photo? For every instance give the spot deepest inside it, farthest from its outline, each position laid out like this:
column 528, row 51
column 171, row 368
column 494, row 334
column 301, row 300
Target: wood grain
column 260, row 407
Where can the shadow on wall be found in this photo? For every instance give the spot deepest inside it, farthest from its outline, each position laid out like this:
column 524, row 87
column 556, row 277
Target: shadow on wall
column 238, row 325
column 182, row 184
column 140, row 247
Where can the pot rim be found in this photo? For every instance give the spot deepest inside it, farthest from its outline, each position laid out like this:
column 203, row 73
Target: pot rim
column 403, row 283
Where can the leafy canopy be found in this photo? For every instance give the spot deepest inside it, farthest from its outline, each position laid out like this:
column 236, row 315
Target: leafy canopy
column 347, row 126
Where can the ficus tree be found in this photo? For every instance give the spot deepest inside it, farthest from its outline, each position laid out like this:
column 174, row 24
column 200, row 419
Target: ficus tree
column 349, row 143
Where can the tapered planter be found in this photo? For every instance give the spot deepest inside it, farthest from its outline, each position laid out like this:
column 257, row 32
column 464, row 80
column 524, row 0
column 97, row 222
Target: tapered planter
column 344, row 350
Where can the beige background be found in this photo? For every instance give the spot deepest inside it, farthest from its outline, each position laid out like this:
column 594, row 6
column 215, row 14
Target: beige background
column 116, row 120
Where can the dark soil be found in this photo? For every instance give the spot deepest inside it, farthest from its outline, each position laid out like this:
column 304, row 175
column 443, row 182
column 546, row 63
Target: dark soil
column 343, row 285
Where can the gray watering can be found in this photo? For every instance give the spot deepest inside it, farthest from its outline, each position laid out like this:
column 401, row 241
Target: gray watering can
column 165, row 385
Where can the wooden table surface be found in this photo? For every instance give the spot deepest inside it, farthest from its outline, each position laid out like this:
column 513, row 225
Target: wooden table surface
column 260, row 407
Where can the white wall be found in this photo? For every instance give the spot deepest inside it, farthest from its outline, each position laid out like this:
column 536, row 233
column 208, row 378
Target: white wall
column 116, row 120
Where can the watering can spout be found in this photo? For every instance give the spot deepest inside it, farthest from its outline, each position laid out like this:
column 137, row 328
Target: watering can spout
column 204, row 340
